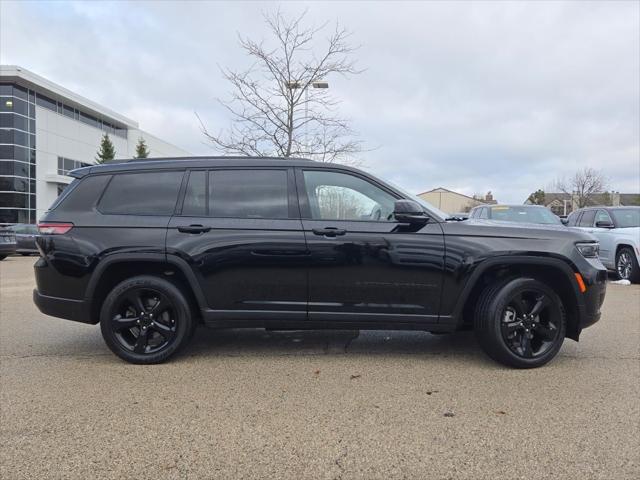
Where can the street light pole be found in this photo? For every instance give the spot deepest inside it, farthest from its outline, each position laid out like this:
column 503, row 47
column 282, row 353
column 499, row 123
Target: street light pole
column 296, row 85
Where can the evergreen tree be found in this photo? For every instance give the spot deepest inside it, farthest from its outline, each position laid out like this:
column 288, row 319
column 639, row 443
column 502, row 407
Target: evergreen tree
column 537, row 197
column 141, row 149
column 107, row 151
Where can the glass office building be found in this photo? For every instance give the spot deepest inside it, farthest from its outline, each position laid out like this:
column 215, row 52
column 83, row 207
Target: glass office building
column 46, row 131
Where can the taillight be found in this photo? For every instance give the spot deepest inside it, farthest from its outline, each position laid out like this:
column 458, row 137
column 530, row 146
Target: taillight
column 54, row 228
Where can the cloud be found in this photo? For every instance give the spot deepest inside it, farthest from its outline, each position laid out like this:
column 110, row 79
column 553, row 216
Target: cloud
column 501, row 96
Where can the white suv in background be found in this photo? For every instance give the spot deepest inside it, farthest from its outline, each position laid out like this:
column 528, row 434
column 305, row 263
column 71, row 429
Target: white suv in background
column 618, row 230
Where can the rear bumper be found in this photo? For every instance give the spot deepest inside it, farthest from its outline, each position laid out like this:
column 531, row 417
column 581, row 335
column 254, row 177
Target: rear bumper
column 67, row 308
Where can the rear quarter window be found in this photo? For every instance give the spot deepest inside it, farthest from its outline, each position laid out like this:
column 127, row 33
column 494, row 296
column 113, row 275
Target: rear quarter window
column 142, row 193
column 82, row 194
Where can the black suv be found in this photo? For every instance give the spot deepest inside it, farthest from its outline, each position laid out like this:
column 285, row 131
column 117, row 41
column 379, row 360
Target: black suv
column 151, row 248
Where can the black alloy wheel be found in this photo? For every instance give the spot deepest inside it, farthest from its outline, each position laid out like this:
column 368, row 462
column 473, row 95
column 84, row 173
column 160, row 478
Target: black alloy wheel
column 146, row 320
column 520, row 322
column 530, row 326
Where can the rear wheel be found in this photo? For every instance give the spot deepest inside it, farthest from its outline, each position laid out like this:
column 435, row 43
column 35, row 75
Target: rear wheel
column 520, row 323
column 145, row 320
column 627, row 265
column 2, row 257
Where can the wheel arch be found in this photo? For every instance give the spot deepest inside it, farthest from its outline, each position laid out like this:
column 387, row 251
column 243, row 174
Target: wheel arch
column 622, row 244
column 554, row 272
column 115, row 268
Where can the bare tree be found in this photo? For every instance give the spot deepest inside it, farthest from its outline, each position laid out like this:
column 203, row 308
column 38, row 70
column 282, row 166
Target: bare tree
column 583, row 185
column 280, row 105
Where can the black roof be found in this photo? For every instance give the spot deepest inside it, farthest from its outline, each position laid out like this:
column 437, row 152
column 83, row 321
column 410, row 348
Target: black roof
column 199, row 162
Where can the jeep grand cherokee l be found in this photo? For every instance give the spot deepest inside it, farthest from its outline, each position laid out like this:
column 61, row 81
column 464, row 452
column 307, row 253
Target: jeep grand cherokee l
column 151, row 248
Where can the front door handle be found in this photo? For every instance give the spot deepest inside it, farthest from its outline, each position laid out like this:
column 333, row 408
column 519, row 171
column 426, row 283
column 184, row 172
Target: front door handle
column 329, row 231
column 193, row 229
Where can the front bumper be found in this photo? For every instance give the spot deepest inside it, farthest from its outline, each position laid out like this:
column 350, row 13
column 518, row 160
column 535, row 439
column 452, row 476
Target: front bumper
column 590, row 302
column 7, row 248
column 66, row 308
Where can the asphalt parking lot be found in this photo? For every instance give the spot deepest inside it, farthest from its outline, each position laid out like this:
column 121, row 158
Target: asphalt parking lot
column 326, row 405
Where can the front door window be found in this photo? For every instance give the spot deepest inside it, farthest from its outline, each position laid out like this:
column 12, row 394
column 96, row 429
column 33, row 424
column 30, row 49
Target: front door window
column 339, row 196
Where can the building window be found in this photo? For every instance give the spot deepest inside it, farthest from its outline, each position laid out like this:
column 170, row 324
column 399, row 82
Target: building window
column 65, row 165
column 17, row 155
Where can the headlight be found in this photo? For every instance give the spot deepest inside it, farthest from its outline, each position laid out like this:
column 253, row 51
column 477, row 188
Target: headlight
column 589, row 250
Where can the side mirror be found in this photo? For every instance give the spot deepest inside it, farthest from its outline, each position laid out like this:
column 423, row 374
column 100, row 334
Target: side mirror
column 604, row 224
column 565, row 221
column 408, row 211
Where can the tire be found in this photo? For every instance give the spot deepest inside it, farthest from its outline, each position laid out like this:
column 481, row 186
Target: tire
column 627, row 265
column 164, row 329
column 520, row 322
column 2, row 257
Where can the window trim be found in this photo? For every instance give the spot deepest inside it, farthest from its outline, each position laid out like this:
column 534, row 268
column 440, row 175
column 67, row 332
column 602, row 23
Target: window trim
column 303, row 198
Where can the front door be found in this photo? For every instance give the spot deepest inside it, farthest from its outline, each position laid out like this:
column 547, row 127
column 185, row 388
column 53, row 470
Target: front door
column 365, row 266
column 239, row 229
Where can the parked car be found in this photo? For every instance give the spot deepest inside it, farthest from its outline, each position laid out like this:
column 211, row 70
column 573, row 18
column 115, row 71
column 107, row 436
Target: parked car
column 516, row 213
column 25, row 238
column 7, row 242
column 151, row 248
column 618, row 230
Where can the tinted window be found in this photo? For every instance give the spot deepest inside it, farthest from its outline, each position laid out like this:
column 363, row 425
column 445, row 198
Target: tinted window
column 572, row 219
column 248, row 193
column 339, row 196
column 81, row 195
column 587, row 218
column 152, row 193
column 195, row 198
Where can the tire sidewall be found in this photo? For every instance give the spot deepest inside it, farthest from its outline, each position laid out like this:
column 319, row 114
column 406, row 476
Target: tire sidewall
column 497, row 307
column 184, row 320
column 635, row 269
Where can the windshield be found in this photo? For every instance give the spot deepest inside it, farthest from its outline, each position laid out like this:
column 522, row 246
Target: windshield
column 626, row 217
column 524, row 214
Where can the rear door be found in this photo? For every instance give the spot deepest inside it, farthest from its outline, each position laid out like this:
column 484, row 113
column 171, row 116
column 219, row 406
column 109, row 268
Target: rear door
column 239, row 230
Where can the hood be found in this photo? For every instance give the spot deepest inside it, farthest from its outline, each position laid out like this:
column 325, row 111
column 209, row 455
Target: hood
column 494, row 228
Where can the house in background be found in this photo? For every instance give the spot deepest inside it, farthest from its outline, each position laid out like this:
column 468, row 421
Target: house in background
column 564, row 203
column 453, row 202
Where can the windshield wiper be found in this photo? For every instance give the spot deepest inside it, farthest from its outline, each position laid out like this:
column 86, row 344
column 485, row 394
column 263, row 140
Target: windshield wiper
column 456, row 219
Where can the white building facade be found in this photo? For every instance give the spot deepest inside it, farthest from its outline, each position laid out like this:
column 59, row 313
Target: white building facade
column 47, row 130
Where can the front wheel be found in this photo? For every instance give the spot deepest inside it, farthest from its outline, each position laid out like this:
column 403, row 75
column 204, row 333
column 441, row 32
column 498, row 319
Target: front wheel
column 145, row 320
column 627, row 265
column 520, row 323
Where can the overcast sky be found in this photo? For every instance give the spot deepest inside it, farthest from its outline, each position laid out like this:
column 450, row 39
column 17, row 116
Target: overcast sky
column 500, row 96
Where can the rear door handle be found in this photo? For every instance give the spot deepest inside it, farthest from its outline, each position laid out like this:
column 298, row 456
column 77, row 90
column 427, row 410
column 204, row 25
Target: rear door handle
column 329, row 231
column 193, row 229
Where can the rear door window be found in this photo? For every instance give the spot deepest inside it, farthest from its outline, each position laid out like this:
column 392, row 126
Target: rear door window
column 144, row 193
column 248, row 194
